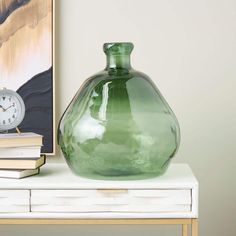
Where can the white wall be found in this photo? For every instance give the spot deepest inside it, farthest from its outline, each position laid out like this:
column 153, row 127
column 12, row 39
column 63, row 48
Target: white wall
column 189, row 49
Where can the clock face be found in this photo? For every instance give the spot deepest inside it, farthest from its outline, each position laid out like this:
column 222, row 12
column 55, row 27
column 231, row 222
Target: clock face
column 12, row 109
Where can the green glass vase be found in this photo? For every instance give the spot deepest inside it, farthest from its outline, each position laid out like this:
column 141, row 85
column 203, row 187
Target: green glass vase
column 118, row 126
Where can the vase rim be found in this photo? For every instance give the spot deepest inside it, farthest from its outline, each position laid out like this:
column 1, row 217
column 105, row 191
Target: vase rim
column 118, row 48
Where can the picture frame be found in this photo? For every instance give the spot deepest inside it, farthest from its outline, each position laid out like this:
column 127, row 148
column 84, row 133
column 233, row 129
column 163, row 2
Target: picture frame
column 27, row 63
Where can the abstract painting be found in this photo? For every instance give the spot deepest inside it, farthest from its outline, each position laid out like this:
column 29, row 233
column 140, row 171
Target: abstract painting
column 26, row 62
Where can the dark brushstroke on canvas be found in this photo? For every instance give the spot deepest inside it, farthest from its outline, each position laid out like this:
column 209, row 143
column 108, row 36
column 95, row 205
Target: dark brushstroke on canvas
column 38, row 97
column 12, row 7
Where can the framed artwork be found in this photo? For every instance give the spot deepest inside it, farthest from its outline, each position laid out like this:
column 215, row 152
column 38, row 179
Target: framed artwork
column 27, row 62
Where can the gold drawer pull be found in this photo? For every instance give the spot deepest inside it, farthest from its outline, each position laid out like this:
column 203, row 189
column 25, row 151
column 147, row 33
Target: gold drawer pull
column 112, row 190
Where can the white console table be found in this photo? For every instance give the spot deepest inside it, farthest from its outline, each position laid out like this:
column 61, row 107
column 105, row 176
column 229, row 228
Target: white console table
column 57, row 196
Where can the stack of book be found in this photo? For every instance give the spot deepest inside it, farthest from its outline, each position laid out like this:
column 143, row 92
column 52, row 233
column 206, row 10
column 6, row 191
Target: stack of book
column 20, row 155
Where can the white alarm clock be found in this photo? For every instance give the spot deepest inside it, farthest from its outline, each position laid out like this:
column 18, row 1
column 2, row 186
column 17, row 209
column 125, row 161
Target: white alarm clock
column 12, row 109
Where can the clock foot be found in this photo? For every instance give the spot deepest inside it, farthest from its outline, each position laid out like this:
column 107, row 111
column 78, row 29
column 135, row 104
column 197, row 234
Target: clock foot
column 17, row 130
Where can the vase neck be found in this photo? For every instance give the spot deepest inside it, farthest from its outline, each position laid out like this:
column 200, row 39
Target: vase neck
column 118, row 55
column 118, row 62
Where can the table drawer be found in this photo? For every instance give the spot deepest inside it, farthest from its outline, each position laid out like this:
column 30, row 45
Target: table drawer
column 14, row 201
column 111, row 200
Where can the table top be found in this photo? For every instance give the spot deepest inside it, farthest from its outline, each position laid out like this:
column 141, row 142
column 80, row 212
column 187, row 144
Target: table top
column 59, row 176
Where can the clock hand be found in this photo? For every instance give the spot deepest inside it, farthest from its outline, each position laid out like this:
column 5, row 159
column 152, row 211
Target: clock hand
column 8, row 107
column 3, row 109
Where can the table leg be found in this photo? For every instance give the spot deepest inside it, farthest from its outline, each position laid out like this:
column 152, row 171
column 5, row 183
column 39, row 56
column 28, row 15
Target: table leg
column 184, row 230
column 194, row 227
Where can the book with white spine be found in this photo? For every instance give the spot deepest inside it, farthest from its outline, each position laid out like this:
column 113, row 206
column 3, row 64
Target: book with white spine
column 17, row 174
column 20, row 152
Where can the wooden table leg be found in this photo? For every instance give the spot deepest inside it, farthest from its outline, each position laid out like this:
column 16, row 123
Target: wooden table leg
column 184, row 230
column 194, row 227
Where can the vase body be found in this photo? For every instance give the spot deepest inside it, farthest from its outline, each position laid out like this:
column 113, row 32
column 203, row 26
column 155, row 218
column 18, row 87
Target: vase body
column 118, row 126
